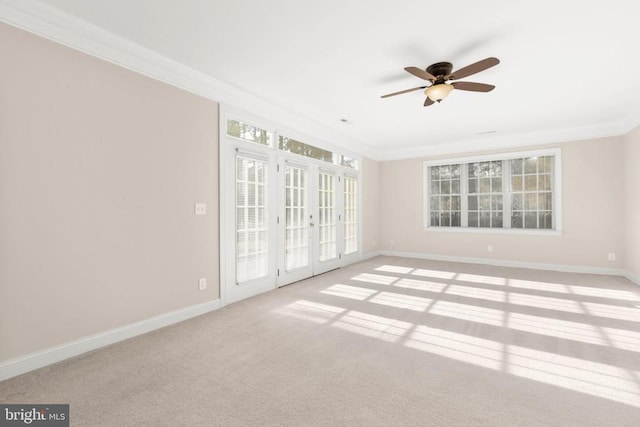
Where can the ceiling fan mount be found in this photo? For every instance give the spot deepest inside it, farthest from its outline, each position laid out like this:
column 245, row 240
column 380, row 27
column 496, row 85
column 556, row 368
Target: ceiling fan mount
column 439, row 74
column 440, row 69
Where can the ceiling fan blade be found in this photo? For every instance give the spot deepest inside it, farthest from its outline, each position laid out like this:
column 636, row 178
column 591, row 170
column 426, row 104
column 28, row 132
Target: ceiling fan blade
column 419, row 72
column 473, row 87
column 428, row 102
column 402, row 91
column 474, row 68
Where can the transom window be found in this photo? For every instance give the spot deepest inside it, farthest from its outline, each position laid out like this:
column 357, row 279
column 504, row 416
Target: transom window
column 248, row 132
column 509, row 191
column 349, row 162
column 297, row 147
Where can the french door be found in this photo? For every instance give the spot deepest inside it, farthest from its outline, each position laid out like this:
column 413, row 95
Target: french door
column 251, row 245
column 308, row 220
column 289, row 210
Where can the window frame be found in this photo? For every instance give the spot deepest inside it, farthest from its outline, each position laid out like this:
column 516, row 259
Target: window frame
column 556, row 153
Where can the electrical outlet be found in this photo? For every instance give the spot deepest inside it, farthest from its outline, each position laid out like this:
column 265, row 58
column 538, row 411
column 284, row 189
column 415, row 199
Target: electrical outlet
column 490, row 248
column 201, row 209
column 202, row 283
column 612, row 256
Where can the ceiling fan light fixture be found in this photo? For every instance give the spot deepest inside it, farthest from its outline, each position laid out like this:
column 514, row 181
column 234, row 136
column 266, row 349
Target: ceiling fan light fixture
column 438, row 92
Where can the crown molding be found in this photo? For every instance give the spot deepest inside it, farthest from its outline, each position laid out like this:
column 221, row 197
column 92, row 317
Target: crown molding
column 55, row 25
column 630, row 122
column 516, row 140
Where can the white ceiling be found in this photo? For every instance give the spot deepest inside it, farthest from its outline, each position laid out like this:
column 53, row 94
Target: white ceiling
column 569, row 69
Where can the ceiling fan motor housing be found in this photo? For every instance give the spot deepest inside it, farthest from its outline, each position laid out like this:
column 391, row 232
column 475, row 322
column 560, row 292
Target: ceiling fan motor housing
column 440, row 69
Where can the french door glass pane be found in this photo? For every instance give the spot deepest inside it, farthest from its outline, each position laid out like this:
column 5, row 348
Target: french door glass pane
column 327, row 216
column 296, row 218
column 350, row 215
column 251, row 225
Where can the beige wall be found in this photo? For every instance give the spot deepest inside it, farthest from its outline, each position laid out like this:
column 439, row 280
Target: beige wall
column 99, row 171
column 632, row 202
column 370, row 206
column 100, row 168
column 592, row 205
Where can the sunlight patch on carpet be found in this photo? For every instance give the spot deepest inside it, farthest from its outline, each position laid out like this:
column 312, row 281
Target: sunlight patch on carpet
column 580, row 375
column 350, row 292
column 549, row 303
column 478, row 293
column 407, row 302
column 471, row 313
column 556, row 328
column 377, row 279
column 394, row 269
column 464, row 348
column 438, row 274
column 476, row 278
column 311, row 311
column 369, row 325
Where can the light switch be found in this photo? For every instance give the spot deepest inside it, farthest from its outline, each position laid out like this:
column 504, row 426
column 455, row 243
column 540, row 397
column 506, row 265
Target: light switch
column 201, row 209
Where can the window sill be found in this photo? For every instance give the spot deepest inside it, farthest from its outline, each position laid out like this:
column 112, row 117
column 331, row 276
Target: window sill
column 518, row 231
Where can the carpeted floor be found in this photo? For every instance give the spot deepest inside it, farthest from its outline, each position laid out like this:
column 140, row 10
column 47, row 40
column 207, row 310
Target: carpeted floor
column 389, row 341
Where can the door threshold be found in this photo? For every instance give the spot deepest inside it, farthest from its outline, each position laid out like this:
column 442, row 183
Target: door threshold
column 310, row 277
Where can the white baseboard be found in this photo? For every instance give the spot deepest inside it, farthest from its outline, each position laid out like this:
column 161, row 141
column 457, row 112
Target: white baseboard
column 632, row 278
column 508, row 263
column 23, row 364
column 369, row 255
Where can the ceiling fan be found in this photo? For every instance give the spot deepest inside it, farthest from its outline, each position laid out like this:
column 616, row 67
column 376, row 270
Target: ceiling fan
column 440, row 73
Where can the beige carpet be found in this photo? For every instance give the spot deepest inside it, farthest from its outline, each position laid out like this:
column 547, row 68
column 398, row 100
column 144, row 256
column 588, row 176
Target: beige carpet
column 389, row 341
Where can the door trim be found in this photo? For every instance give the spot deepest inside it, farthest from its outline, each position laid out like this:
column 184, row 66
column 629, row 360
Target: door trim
column 227, row 193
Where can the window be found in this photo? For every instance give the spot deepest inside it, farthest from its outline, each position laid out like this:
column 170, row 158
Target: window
column 252, row 253
column 485, row 194
column 350, row 214
column 445, row 196
column 348, row 162
column 511, row 191
column 327, row 216
column 248, row 132
column 532, row 197
column 297, row 147
column 297, row 218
